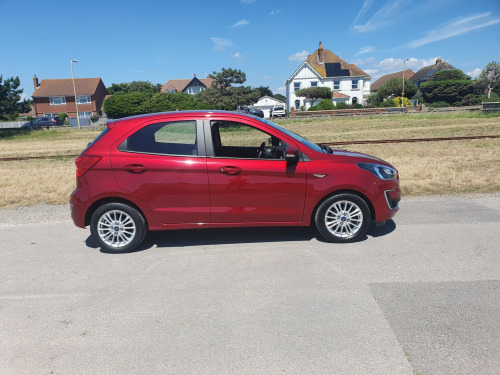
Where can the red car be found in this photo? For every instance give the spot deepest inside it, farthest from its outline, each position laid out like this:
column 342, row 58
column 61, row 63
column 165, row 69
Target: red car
column 214, row 169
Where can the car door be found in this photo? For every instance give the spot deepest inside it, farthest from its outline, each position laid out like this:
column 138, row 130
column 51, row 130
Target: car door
column 164, row 165
column 250, row 180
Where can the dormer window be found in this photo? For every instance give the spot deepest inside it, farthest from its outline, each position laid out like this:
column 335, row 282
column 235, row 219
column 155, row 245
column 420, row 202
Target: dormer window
column 57, row 100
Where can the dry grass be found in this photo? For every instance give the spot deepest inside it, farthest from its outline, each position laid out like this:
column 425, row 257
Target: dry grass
column 24, row 183
column 425, row 168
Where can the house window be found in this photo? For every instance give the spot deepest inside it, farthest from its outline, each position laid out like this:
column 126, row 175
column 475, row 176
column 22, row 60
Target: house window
column 336, row 85
column 83, row 99
column 296, row 86
column 57, row 100
column 297, row 104
column 84, row 114
column 314, row 84
column 355, row 84
column 50, row 114
column 171, row 91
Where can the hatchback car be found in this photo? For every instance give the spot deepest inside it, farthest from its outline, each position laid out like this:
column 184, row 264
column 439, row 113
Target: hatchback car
column 42, row 122
column 213, row 169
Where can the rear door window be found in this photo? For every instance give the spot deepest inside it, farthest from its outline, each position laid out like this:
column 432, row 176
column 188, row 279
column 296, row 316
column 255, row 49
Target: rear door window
column 168, row 138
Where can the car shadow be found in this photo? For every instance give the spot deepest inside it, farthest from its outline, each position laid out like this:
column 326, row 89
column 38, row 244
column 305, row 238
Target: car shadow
column 224, row 236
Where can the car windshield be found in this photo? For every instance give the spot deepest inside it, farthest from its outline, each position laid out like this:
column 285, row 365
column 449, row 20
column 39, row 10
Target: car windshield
column 278, row 108
column 297, row 137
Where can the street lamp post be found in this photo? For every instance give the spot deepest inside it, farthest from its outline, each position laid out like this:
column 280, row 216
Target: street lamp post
column 74, row 91
column 404, row 71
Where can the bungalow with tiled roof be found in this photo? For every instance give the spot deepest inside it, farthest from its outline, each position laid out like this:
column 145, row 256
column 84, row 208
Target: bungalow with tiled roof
column 382, row 80
column 189, row 86
column 325, row 69
column 427, row 72
column 54, row 96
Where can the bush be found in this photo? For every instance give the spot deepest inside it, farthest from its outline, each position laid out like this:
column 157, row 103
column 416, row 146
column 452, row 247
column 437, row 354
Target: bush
column 313, row 108
column 357, row 106
column 63, row 116
column 440, row 104
column 388, row 103
column 342, row 105
column 325, row 105
column 406, row 102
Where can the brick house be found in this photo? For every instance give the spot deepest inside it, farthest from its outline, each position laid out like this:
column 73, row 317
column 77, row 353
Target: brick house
column 54, row 96
column 188, row 86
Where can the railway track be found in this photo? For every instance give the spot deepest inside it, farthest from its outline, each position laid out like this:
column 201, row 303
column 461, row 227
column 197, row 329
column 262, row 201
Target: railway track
column 343, row 143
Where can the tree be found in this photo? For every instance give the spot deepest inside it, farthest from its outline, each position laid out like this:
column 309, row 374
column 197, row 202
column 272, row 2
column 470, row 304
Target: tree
column 489, row 79
column 10, row 96
column 227, row 77
column 280, row 97
column 394, row 86
column 263, row 91
column 315, row 93
column 449, row 75
column 222, row 95
column 134, row 86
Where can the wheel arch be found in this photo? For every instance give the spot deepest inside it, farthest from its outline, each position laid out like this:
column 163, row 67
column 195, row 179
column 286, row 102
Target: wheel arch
column 343, row 191
column 94, row 206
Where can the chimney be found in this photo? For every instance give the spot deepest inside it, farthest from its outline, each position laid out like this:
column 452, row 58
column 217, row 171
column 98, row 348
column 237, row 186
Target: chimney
column 439, row 60
column 321, row 57
column 35, row 82
column 194, row 75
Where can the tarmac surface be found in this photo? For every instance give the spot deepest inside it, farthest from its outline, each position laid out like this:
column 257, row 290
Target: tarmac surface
column 418, row 296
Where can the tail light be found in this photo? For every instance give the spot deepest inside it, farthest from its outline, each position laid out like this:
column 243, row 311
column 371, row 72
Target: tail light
column 85, row 163
column 53, row 120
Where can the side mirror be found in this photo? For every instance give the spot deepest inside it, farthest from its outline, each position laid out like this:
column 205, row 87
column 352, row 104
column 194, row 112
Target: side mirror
column 292, row 154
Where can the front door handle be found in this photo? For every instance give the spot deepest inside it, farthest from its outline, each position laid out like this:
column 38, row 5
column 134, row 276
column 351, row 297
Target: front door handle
column 136, row 168
column 231, row 171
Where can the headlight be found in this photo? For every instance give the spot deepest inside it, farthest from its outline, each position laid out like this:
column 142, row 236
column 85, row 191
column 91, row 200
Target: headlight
column 381, row 171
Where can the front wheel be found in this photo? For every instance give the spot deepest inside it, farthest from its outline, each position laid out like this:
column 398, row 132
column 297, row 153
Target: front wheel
column 343, row 218
column 117, row 227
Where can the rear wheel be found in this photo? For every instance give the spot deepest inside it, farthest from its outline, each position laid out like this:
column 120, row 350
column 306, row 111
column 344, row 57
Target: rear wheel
column 343, row 218
column 118, row 227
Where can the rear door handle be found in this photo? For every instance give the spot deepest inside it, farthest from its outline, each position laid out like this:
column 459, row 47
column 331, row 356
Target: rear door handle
column 135, row 168
column 231, row 171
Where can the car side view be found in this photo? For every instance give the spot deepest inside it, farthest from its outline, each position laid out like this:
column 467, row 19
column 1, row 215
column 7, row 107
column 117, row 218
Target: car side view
column 215, row 169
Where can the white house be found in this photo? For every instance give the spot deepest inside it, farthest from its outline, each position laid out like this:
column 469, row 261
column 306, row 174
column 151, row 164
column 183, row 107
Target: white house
column 323, row 68
column 266, row 103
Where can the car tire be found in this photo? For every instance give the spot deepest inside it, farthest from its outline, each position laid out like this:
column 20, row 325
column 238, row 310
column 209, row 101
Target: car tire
column 118, row 227
column 342, row 218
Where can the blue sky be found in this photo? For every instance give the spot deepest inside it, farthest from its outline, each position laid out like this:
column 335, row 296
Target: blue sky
column 123, row 41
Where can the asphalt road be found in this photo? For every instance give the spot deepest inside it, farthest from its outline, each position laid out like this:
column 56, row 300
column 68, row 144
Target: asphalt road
column 419, row 296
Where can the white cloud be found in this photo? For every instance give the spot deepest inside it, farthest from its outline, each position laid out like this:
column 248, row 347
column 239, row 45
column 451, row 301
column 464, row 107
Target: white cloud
column 475, row 73
column 371, row 71
column 383, row 17
column 274, row 12
column 221, row 44
column 267, row 78
column 458, row 26
column 364, row 50
column 237, row 56
column 281, row 89
column 241, row 23
column 248, row 1
column 299, row 56
column 392, row 64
